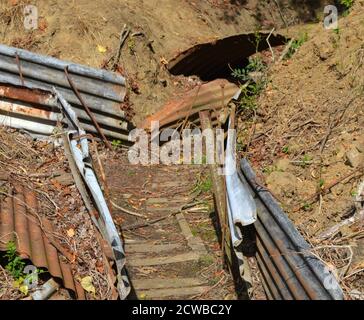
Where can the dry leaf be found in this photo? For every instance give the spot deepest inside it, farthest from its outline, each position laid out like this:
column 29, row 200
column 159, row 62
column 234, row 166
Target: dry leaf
column 43, row 24
column 87, row 285
column 71, row 233
column 101, row 49
column 163, row 61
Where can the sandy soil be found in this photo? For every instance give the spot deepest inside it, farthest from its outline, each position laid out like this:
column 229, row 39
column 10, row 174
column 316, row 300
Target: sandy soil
column 79, row 30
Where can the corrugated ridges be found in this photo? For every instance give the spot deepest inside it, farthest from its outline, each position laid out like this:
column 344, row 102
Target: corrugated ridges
column 20, row 222
column 289, row 270
column 213, row 94
column 103, row 91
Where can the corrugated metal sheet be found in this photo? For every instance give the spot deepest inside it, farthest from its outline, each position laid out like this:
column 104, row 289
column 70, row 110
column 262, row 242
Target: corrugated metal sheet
column 19, row 223
column 289, row 270
column 37, row 111
column 211, row 60
column 211, row 95
column 103, row 91
column 79, row 152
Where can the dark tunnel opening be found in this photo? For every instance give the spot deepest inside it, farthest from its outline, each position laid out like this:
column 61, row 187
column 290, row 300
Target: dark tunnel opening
column 216, row 60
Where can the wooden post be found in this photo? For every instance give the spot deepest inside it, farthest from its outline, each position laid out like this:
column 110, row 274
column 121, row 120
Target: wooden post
column 219, row 190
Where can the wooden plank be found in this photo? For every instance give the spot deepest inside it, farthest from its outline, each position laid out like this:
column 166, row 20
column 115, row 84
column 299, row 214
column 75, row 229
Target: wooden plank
column 175, row 292
column 136, row 248
column 195, row 243
column 179, row 200
column 219, row 189
column 136, row 241
column 138, row 262
column 159, row 283
column 166, row 209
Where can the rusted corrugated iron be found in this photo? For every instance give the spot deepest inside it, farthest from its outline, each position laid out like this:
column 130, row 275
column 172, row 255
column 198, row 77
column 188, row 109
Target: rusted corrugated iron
column 212, row 95
column 40, row 107
column 103, row 91
column 214, row 59
column 20, row 223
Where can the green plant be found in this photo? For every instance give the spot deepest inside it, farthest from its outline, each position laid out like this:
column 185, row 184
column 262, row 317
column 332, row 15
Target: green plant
column 255, row 65
column 116, row 143
column 206, row 260
column 252, row 87
column 131, row 46
column 306, row 160
column 307, row 207
column 131, row 173
column 296, row 44
column 285, row 149
column 15, row 264
column 16, row 267
column 347, row 3
column 269, row 169
column 257, row 39
column 203, row 185
column 321, row 183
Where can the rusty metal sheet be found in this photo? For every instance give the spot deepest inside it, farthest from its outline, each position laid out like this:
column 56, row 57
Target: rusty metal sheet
column 25, row 106
column 211, row 95
column 19, row 223
column 26, row 83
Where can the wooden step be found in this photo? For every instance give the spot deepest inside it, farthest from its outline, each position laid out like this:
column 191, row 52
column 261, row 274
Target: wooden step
column 154, row 248
column 167, row 209
column 138, row 262
column 174, row 292
column 159, row 283
column 177, row 200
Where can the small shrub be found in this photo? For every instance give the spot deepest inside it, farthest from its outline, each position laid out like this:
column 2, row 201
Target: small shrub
column 296, row 44
column 15, row 264
column 252, row 88
column 347, row 3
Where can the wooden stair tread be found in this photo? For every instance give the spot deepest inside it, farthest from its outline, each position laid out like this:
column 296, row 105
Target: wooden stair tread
column 173, row 292
column 159, row 283
column 144, row 248
column 183, row 257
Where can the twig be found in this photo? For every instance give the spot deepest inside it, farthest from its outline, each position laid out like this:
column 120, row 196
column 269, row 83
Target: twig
column 327, row 189
column 352, row 274
column 334, row 124
column 270, row 47
column 281, row 13
column 123, row 36
column 211, row 288
column 48, row 197
column 286, row 50
column 127, row 211
column 147, row 224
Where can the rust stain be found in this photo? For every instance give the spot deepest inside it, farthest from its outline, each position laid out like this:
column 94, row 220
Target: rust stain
column 32, row 112
column 24, row 94
column 20, row 223
column 204, row 97
column 33, row 97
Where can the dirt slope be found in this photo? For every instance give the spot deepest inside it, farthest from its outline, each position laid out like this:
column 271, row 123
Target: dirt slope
column 73, row 30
